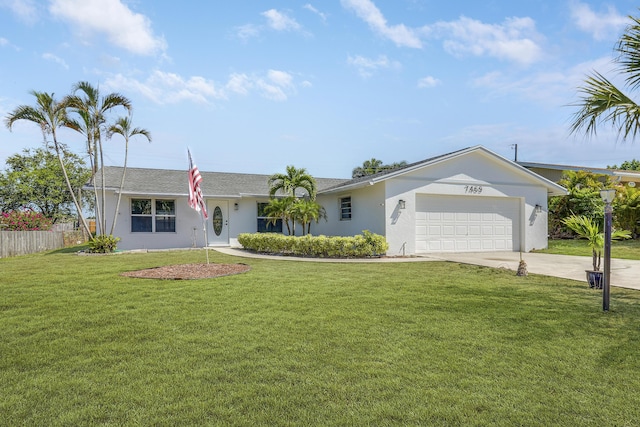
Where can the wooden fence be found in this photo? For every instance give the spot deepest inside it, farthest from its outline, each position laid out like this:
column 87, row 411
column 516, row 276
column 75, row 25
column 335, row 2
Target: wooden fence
column 14, row 243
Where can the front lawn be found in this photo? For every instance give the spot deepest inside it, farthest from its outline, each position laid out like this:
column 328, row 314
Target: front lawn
column 625, row 249
column 294, row 343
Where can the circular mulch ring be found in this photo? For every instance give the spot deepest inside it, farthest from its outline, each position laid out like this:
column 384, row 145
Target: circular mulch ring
column 189, row 271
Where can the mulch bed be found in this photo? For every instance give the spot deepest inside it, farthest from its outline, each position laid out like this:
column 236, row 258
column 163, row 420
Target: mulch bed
column 189, row 271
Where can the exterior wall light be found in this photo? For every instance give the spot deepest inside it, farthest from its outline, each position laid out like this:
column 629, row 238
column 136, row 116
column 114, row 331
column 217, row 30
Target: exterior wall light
column 402, row 204
column 236, row 206
column 538, row 209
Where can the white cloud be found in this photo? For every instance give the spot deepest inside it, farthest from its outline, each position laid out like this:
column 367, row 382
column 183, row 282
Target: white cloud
column 170, row 88
column 280, row 78
column 239, row 83
column 513, row 40
column 280, row 21
column 367, row 66
column 369, row 13
column 276, row 20
column 427, row 82
column 322, row 16
column 4, row 42
column 25, row 10
column 276, row 86
column 56, row 59
column 516, row 39
column 550, row 88
column 123, row 27
column 602, row 25
column 247, row 31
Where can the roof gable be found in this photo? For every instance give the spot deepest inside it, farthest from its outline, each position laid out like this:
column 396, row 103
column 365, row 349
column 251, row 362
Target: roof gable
column 552, row 188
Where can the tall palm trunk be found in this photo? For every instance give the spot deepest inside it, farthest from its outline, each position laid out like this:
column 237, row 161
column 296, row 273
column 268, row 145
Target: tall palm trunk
column 68, row 182
column 124, row 172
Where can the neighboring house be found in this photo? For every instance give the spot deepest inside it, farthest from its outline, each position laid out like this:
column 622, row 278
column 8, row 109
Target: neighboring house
column 554, row 172
column 468, row 200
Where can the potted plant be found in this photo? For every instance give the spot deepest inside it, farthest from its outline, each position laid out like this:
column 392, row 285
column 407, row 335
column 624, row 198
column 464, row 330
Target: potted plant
column 591, row 230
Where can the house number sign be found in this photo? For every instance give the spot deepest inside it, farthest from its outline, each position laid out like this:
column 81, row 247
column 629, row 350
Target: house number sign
column 217, row 220
column 473, row 189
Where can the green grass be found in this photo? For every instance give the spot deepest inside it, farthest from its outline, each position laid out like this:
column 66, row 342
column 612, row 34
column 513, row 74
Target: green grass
column 625, row 249
column 292, row 343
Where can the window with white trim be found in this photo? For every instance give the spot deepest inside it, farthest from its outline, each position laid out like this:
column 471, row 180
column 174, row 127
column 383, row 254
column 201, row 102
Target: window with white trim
column 153, row 216
column 265, row 223
column 345, row 208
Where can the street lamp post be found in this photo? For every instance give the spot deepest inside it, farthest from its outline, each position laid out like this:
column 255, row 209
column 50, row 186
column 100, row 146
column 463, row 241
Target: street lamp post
column 607, row 198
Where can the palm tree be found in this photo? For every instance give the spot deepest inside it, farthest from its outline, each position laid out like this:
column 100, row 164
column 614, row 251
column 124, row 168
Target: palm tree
column 374, row 166
column 292, row 180
column 92, row 109
column 122, row 127
column 369, row 167
column 591, row 230
column 307, row 211
column 280, row 209
column 50, row 115
column 602, row 102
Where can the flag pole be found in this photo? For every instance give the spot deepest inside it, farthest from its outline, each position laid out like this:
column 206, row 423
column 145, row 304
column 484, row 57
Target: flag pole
column 196, row 198
column 204, row 229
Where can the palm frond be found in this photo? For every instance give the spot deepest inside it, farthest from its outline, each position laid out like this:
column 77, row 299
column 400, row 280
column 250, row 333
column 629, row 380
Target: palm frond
column 602, row 102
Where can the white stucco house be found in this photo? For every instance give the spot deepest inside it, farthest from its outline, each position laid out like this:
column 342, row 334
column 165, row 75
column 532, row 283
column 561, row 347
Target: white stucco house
column 467, row 200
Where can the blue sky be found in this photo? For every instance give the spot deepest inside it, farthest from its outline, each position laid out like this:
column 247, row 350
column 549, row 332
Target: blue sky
column 256, row 85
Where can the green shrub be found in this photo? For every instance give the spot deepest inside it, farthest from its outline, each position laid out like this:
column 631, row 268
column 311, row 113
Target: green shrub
column 103, row 244
column 363, row 245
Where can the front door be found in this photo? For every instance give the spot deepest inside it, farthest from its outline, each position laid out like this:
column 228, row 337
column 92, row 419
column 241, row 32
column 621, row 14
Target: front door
column 218, row 226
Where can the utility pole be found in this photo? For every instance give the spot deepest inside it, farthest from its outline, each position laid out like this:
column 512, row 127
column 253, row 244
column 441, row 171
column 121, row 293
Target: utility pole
column 515, row 146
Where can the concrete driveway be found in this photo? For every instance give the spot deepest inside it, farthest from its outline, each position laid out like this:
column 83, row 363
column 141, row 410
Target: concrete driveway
column 624, row 273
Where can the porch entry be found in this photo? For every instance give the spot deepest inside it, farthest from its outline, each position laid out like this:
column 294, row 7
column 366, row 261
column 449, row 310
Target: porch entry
column 218, row 225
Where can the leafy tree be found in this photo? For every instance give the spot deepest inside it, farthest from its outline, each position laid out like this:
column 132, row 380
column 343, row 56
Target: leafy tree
column 374, row 166
column 290, row 181
column 583, row 199
column 49, row 115
column 600, row 101
column 627, row 165
column 34, row 179
column 91, row 109
column 122, row 127
column 626, row 208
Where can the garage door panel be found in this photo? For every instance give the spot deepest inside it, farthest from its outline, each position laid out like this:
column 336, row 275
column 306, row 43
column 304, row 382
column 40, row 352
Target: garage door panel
column 463, row 224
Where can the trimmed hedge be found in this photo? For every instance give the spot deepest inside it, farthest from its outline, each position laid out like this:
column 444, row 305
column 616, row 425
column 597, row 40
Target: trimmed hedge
column 363, row 245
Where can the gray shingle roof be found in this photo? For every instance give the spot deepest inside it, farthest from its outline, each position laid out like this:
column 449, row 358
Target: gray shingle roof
column 175, row 182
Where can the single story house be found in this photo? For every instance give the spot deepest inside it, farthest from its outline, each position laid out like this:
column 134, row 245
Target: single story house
column 467, row 200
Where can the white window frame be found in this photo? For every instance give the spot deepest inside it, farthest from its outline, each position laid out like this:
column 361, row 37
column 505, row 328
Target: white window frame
column 153, row 215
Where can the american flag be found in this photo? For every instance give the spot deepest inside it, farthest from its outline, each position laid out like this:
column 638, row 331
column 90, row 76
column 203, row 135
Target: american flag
column 196, row 200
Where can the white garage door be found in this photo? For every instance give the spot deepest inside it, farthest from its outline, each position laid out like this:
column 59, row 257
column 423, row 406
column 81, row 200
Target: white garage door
column 467, row 224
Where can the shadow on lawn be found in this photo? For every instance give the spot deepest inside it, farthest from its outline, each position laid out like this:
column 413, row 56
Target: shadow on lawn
column 69, row 250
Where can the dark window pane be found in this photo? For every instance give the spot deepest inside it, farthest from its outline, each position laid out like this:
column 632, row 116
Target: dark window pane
column 345, row 208
column 165, row 224
column 165, row 207
column 261, row 207
column 141, row 224
column 264, row 227
column 141, row 207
